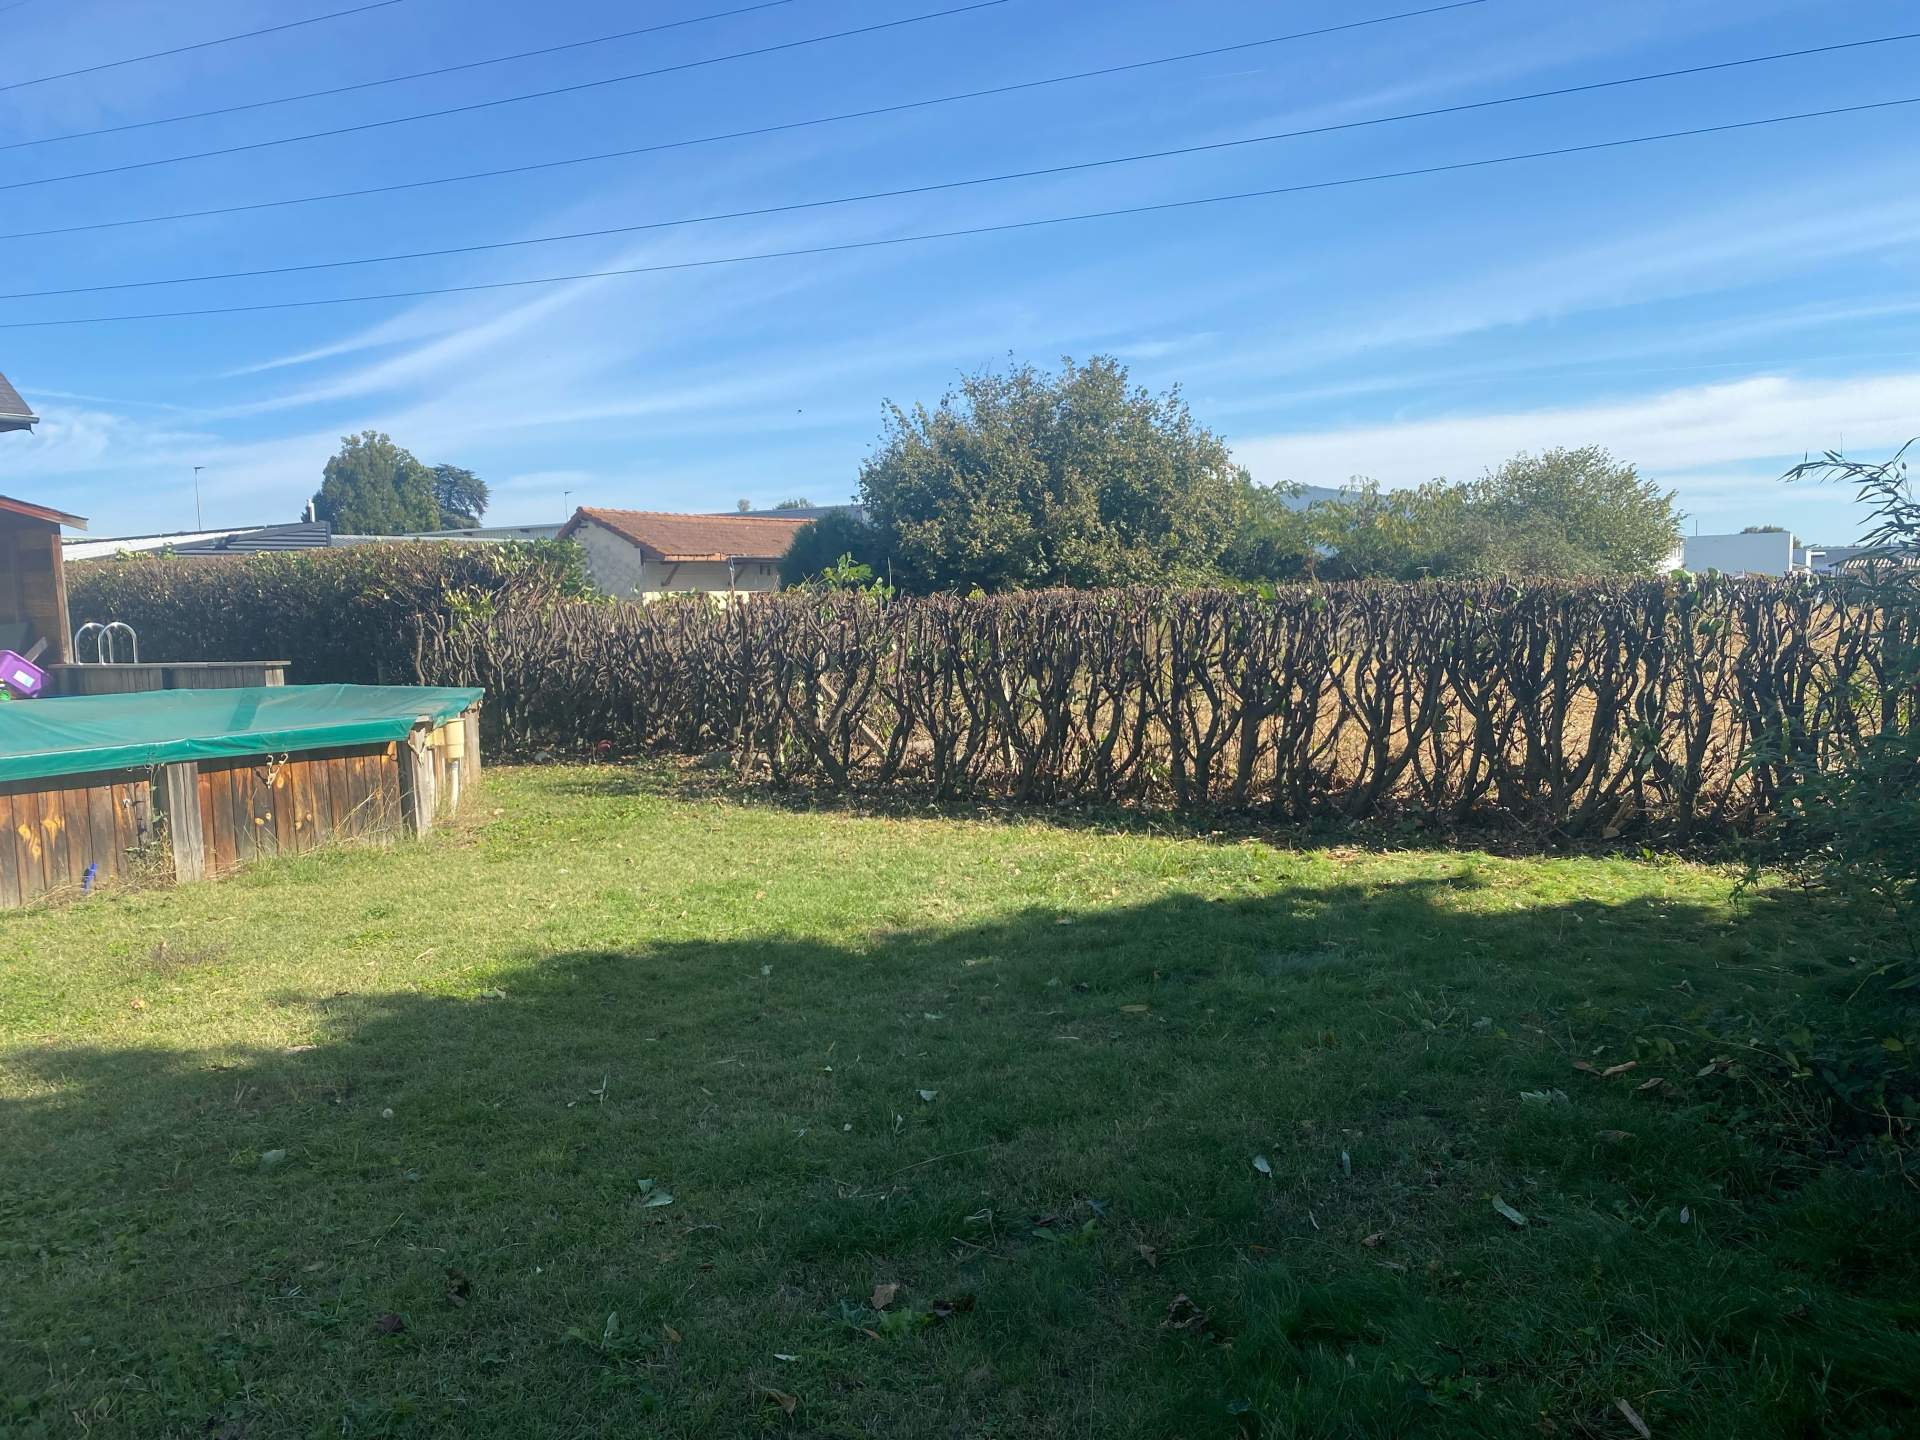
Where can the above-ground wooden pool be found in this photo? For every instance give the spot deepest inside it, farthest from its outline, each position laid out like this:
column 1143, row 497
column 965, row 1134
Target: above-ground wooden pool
column 193, row 783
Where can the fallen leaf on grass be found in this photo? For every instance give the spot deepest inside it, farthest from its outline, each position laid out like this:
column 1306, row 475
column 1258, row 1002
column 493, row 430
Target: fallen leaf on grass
column 673, row 1335
column 298, row 1049
column 1150, row 1255
column 1133, row 1009
column 788, row 1359
column 389, row 1324
column 1372, row 1242
column 1719, row 1065
column 786, row 1402
column 1622, row 1068
column 271, row 1158
column 883, row 1295
column 926, row 1096
column 1659, row 1085
column 1263, row 1165
column 654, row 1195
column 1544, row 1097
column 1633, row 1419
column 1506, row 1212
column 1183, row 1314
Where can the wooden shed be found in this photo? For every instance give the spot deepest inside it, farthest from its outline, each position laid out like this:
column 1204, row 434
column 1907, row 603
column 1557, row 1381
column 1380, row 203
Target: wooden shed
column 33, row 587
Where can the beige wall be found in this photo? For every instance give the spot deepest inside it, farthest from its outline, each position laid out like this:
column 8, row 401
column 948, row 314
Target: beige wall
column 618, row 568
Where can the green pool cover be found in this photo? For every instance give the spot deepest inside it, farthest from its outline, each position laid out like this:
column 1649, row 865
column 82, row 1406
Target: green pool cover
column 81, row 733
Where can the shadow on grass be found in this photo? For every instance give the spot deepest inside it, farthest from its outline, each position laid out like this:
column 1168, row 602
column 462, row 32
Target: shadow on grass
column 1052, row 1115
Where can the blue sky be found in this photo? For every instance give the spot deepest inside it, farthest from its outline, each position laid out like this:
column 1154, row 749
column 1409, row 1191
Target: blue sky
column 1709, row 308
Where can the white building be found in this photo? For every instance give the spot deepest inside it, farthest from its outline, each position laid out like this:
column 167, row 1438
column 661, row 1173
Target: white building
column 1751, row 552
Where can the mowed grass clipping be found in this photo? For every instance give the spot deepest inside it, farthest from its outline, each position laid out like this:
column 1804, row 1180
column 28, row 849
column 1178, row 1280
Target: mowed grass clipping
column 631, row 1109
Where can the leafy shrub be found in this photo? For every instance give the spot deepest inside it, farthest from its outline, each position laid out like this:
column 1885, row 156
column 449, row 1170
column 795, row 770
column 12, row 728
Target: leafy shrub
column 343, row 615
column 1853, row 825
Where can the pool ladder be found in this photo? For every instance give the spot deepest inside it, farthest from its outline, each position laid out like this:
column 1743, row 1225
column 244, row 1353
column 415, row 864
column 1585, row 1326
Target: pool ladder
column 105, row 650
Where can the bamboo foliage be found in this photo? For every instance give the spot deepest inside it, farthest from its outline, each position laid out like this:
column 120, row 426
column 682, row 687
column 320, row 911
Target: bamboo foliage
column 1580, row 709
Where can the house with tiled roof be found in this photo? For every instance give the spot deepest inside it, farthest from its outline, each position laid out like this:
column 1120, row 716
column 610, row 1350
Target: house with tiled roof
column 644, row 554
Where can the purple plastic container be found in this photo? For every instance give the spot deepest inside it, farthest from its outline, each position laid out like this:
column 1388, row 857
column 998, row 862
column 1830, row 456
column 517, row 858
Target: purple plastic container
column 21, row 675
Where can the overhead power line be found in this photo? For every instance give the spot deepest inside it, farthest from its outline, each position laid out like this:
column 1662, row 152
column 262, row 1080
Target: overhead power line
column 1042, row 222
column 395, row 79
column 531, row 167
column 199, row 45
column 911, row 104
column 908, row 105
column 478, row 105
column 758, row 212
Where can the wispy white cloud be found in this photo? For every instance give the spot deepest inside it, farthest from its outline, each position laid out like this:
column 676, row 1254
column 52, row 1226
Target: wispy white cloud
column 1753, row 423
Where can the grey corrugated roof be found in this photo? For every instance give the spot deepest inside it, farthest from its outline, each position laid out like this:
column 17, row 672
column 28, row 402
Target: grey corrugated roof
column 14, row 414
column 301, row 535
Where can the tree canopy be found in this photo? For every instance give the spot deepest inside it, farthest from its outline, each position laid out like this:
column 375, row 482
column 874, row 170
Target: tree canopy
column 461, row 495
column 819, row 545
column 375, row 487
column 1025, row 479
column 1564, row 513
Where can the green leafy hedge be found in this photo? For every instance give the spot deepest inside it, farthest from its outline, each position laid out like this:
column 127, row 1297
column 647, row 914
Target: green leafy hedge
column 346, row 615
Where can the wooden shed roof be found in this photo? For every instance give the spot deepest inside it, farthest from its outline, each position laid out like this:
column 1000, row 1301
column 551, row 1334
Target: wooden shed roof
column 10, row 506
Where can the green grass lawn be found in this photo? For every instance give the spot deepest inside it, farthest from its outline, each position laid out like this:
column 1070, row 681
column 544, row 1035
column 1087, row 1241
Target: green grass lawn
column 610, row 1112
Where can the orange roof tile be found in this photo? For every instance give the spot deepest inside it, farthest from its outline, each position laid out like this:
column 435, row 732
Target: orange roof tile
column 693, row 537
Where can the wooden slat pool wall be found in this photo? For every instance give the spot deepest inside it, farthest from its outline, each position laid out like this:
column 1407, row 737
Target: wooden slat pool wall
column 257, row 806
column 54, row 830
column 247, row 808
column 121, row 679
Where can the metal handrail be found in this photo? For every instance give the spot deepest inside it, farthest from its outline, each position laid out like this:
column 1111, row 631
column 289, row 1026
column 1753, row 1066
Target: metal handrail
column 105, row 651
column 106, row 639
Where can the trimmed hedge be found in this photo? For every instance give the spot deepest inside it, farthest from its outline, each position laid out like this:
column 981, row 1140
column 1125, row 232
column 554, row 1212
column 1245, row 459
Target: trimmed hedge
column 1582, row 709
column 349, row 615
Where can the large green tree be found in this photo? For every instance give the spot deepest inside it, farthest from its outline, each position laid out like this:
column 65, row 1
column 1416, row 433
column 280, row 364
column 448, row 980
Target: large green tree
column 1570, row 512
column 1566, row 514
column 1027, row 478
column 819, row 545
column 374, row 487
column 461, row 495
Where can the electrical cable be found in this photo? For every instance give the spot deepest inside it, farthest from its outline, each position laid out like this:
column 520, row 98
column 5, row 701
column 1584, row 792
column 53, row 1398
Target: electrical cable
column 394, row 79
column 477, row 105
column 1159, row 207
column 198, row 45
